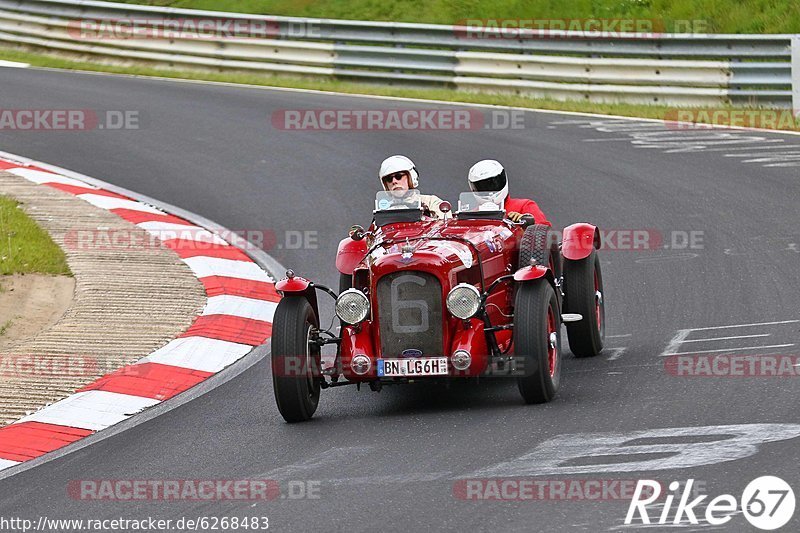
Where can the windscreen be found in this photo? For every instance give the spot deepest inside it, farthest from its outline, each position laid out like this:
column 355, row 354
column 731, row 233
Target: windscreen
column 392, row 200
column 479, row 202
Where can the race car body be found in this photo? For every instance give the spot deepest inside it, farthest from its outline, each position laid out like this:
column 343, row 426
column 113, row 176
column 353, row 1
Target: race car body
column 420, row 298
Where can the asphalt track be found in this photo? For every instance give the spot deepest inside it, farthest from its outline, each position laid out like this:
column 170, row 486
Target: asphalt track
column 390, row 461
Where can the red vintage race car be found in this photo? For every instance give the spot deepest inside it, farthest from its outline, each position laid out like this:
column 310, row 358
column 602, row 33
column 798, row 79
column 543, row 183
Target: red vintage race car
column 469, row 296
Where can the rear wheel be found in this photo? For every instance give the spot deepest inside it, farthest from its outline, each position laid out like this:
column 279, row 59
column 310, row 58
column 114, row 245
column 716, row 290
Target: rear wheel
column 295, row 360
column 539, row 245
column 537, row 341
column 583, row 288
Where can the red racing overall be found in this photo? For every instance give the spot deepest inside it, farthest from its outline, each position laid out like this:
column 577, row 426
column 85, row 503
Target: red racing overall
column 526, row 207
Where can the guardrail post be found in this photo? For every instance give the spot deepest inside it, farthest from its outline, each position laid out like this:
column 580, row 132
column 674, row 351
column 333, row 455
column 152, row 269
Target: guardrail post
column 796, row 74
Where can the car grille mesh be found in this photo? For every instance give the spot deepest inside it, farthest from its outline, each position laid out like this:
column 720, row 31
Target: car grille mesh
column 410, row 313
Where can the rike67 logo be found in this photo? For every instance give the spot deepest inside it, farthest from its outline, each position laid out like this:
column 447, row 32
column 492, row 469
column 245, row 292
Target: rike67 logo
column 767, row 503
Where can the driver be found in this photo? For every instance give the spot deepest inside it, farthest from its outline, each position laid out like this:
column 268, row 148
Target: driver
column 489, row 175
column 398, row 173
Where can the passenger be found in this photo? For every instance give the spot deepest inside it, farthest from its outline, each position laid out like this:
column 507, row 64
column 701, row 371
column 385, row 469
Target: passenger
column 490, row 176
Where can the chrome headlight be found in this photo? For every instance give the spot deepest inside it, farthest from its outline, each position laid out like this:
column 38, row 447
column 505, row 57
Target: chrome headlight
column 461, row 360
column 360, row 364
column 463, row 301
column 352, row 306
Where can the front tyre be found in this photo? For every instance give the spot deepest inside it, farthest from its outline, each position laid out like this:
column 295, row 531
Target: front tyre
column 583, row 288
column 537, row 341
column 295, row 361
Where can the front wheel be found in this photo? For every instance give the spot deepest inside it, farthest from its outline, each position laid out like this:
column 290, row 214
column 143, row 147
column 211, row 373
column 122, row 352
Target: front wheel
column 583, row 288
column 537, row 341
column 295, row 359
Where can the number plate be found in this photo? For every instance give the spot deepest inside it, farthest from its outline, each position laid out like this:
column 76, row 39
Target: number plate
column 423, row 366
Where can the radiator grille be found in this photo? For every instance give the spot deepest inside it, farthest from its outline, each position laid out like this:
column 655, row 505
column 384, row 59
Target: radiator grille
column 410, row 310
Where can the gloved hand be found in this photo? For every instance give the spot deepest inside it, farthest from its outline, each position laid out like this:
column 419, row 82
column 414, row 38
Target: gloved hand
column 515, row 217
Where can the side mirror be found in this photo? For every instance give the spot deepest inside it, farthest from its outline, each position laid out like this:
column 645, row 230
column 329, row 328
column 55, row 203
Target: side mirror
column 445, row 207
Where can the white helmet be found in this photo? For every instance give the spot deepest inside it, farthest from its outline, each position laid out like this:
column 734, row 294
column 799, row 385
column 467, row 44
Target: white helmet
column 489, row 176
column 399, row 163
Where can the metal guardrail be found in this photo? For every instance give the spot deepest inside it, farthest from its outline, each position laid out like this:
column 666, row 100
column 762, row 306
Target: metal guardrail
column 670, row 69
column 795, row 73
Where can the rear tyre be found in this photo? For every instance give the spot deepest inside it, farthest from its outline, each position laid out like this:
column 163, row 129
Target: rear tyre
column 537, row 341
column 295, row 362
column 583, row 288
column 540, row 245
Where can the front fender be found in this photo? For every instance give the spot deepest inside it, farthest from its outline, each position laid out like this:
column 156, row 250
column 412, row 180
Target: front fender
column 579, row 240
column 533, row 272
column 299, row 286
column 350, row 254
column 294, row 284
column 473, row 340
column 358, row 340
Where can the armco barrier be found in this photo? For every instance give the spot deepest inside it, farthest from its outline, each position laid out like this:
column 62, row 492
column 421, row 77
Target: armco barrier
column 796, row 73
column 669, row 69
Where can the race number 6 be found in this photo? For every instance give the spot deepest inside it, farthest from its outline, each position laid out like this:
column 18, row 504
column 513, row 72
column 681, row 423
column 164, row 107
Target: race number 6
column 398, row 305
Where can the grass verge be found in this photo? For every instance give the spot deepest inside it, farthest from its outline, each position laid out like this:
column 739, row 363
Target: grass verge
column 326, row 84
column 713, row 16
column 25, row 248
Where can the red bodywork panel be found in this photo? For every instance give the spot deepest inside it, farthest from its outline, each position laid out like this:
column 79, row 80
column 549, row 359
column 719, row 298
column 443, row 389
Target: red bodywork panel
column 350, row 254
column 473, row 340
column 299, row 286
column 579, row 240
column 357, row 341
column 472, row 251
column 531, row 272
column 293, row 285
column 419, row 247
